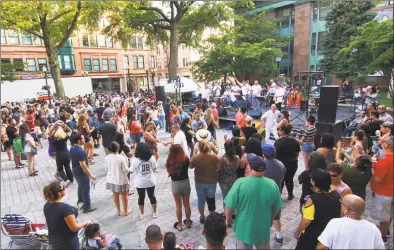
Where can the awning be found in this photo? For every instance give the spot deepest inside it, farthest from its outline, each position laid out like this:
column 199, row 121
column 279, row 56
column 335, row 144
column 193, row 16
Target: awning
column 271, row 6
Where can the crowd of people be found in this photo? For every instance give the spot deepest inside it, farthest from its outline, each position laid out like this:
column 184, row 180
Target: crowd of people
column 251, row 171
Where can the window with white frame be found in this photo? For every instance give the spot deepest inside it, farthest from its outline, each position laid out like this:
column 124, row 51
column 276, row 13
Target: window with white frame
column 31, row 64
column 112, row 64
column 26, row 39
column 153, row 62
column 126, row 61
column 41, row 63
column 105, row 64
column 96, row 64
column 13, row 38
column 3, row 39
column 141, row 62
column 87, row 64
column 67, row 61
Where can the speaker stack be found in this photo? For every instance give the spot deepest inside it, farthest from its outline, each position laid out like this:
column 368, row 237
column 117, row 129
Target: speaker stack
column 160, row 93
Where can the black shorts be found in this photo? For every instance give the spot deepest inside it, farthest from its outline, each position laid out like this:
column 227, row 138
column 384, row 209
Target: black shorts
column 7, row 144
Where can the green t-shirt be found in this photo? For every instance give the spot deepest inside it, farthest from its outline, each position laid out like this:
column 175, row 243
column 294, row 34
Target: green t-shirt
column 254, row 198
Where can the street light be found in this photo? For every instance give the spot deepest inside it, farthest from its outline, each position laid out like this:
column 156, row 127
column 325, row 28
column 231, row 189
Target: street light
column 128, row 80
column 277, row 62
column 177, row 86
column 44, row 68
column 147, row 75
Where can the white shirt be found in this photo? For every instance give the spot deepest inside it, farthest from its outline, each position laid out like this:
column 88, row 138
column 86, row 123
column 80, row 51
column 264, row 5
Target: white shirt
column 246, row 89
column 235, row 89
column 144, row 177
column 386, row 118
column 216, row 90
column 256, row 89
column 206, row 93
column 117, row 169
column 346, row 233
column 279, row 94
column 180, row 139
column 270, row 117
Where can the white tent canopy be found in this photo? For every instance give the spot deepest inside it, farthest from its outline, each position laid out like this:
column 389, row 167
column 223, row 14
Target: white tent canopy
column 188, row 86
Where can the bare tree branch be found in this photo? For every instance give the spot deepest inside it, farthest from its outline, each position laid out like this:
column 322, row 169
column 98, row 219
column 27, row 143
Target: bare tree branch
column 160, row 26
column 172, row 10
column 60, row 15
column 178, row 7
column 25, row 30
column 72, row 26
column 157, row 10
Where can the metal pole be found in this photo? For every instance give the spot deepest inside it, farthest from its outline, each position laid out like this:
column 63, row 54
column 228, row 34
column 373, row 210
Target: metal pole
column 147, row 77
column 46, row 83
column 278, row 69
column 130, row 83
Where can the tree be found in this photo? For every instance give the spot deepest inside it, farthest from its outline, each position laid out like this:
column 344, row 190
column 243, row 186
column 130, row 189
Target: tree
column 173, row 23
column 372, row 49
column 250, row 47
column 52, row 21
column 8, row 70
column 343, row 21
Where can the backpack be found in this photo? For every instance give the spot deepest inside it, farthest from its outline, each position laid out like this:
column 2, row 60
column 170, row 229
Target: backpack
column 18, row 144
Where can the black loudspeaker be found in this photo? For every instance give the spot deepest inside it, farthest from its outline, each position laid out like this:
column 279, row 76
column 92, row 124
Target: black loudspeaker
column 332, row 128
column 160, row 94
column 222, row 111
column 328, row 104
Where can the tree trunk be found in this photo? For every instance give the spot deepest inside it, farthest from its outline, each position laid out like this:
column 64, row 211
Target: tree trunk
column 174, row 39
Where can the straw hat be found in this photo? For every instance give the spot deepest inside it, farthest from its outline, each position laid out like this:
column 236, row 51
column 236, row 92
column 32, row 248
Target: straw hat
column 203, row 135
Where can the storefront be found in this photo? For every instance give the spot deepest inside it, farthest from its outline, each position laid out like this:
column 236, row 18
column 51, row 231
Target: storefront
column 106, row 84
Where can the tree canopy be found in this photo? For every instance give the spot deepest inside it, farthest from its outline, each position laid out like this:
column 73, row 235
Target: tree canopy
column 343, row 21
column 250, row 47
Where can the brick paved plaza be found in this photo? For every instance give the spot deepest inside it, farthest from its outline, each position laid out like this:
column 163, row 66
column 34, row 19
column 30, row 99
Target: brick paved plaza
column 23, row 194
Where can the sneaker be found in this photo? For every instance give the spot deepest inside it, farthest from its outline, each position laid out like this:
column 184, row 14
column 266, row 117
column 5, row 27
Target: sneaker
column 79, row 205
column 279, row 241
column 90, row 209
column 385, row 241
column 142, row 216
column 290, row 197
column 155, row 214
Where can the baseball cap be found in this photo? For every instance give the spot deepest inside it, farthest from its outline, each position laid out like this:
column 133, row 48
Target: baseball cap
column 268, row 149
column 256, row 162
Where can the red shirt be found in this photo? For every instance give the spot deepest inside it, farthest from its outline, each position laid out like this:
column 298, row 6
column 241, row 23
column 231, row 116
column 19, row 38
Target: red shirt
column 30, row 124
column 133, row 129
column 383, row 169
column 240, row 119
column 215, row 114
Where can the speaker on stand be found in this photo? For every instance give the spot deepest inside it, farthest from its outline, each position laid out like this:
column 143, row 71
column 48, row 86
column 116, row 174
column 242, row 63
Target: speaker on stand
column 160, row 93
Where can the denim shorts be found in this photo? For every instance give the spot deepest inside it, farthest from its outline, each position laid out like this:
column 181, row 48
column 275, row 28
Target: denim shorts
column 308, row 147
column 204, row 191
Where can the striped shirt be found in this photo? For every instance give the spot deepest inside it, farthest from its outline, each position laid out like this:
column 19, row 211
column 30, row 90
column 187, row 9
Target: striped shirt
column 310, row 134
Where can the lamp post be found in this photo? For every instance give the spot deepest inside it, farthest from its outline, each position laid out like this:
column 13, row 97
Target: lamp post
column 44, row 68
column 147, row 76
column 153, row 78
column 277, row 62
column 177, row 86
column 128, row 81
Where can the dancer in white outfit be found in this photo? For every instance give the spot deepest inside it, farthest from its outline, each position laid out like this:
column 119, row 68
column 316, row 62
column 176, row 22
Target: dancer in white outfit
column 270, row 120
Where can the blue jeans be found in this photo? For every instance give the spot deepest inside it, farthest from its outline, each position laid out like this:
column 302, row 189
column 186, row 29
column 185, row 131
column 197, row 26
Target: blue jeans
column 156, row 122
column 225, row 188
column 83, row 187
column 348, row 130
column 136, row 137
column 307, row 147
column 162, row 118
column 206, row 192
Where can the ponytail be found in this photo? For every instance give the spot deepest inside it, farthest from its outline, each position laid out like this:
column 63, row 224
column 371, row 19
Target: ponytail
column 51, row 191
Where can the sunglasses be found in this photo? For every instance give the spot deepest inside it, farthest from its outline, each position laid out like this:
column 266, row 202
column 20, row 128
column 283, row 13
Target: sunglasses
column 343, row 204
column 334, row 175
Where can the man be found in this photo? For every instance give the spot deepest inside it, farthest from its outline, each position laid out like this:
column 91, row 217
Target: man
column 17, row 112
column 257, row 201
column 206, row 93
column 383, row 114
column 248, row 130
column 269, row 118
column 214, row 231
column 82, row 173
column 198, row 123
column 271, row 91
column 375, row 122
column 371, row 96
column 108, row 111
column 278, row 96
column 275, row 171
column 154, row 237
column 240, row 117
column 166, row 108
column 287, row 151
column 215, row 112
column 108, row 131
column 216, row 90
column 256, row 91
column 100, row 111
column 382, row 187
column 354, row 124
column 12, row 132
column 350, row 231
column 179, row 138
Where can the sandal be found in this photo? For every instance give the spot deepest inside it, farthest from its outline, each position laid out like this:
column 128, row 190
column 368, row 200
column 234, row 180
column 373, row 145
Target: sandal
column 202, row 220
column 131, row 193
column 33, row 174
column 176, row 224
column 185, row 222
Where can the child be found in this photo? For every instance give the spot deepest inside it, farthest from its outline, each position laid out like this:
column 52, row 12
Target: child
column 95, row 124
column 38, row 132
column 95, row 240
column 169, row 242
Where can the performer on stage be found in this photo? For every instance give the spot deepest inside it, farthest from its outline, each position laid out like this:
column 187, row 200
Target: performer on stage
column 270, row 118
column 278, row 96
column 256, row 91
column 216, row 89
column 271, row 92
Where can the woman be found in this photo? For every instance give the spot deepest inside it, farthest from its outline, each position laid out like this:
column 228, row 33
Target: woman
column 367, row 142
column 177, row 166
column 307, row 139
column 117, row 180
column 386, row 129
column 176, row 119
column 154, row 113
column 59, row 134
column 182, row 114
column 162, row 114
column 119, row 138
column 150, row 138
column 336, row 171
column 30, row 148
column 285, row 119
column 205, row 165
column 316, row 161
column 144, row 164
column 135, row 130
column 356, row 149
column 252, row 146
column 61, row 218
column 229, row 164
column 186, row 127
column 119, row 124
column 211, row 123
column 318, row 210
column 70, row 122
column 84, row 129
column 44, row 115
column 327, row 148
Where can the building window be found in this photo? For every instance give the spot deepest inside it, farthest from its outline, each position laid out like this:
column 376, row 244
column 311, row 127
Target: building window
column 284, row 14
column 185, row 62
column 87, row 64
column 41, row 63
column 13, row 38
column 321, row 37
column 126, row 62
column 26, row 39
column 19, row 65
column 110, row 42
column 5, row 60
column 105, row 64
column 153, row 62
column 324, row 8
column 67, row 62
column 112, row 64
column 96, row 64
column 85, row 40
column 3, row 40
column 313, row 44
column 315, row 8
column 159, row 65
column 38, row 41
column 101, row 41
column 141, row 62
column 31, row 64
column 137, row 42
column 135, row 62
column 93, row 40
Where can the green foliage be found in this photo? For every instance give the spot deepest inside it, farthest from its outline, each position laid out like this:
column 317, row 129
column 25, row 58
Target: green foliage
column 8, row 70
column 343, row 21
column 250, row 47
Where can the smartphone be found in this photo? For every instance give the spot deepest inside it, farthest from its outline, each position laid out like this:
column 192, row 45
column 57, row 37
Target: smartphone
column 190, row 246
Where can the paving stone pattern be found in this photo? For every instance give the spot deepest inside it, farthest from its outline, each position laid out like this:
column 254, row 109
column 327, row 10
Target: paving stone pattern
column 23, row 194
